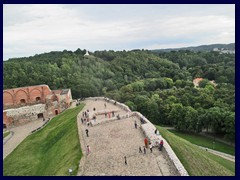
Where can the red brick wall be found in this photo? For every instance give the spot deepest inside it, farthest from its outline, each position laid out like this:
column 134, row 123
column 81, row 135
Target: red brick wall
column 7, row 98
column 6, row 120
column 14, row 96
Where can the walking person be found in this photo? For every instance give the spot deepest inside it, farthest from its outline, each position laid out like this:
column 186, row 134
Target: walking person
column 88, row 149
column 146, row 142
column 150, row 147
column 135, row 124
column 87, row 132
column 82, row 120
column 125, row 160
column 94, row 109
column 144, row 149
column 105, row 105
column 140, row 149
column 161, row 145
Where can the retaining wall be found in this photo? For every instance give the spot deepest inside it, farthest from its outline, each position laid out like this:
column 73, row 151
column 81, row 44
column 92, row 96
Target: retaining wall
column 149, row 130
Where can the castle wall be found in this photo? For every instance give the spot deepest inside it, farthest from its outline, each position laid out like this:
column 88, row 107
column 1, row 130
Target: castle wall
column 22, row 115
column 23, row 104
column 25, row 95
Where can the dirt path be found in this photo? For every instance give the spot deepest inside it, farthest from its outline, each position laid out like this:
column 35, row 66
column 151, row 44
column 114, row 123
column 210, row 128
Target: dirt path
column 110, row 142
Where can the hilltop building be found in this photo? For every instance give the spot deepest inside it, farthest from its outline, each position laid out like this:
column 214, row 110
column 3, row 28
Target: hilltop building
column 86, row 54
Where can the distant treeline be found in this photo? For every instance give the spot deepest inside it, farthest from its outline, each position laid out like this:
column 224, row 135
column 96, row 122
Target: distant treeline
column 159, row 85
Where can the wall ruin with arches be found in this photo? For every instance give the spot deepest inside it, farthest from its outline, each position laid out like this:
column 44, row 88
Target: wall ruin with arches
column 26, row 104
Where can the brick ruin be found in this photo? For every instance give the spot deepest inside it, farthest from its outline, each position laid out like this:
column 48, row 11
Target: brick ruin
column 21, row 105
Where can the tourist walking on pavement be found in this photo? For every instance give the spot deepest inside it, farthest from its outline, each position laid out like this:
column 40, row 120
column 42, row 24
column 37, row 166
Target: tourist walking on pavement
column 160, row 145
column 88, row 149
column 125, row 160
column 146, row 142
column 144, row 149
column 135, row 124
column 150, row 147
column 140, row 149
column 87, row 132
column 105, row 105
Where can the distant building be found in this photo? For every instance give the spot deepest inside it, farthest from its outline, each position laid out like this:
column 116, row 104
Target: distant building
column 196, row 82
column 25, row 104
column 224, row 51
column 86, row 54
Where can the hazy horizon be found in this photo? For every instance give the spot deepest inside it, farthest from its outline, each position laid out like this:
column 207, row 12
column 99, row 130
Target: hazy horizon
column 35, row 29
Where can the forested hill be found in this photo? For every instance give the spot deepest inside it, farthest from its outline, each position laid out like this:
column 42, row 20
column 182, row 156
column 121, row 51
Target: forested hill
column 158, row 85
column 210, row 47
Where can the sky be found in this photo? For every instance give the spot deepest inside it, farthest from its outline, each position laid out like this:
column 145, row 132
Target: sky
column 30, row 29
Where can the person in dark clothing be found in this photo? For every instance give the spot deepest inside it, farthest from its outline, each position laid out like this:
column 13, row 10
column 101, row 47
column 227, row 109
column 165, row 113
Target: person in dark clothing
column 82, row 120
column 87, row 132
column 150, row 147
column 113, row 114
column 144, row 149
column 94, row 109
column 161, row 145
column 125, row 160
column 140, row 149
column 155, row 131
column 118, row 117
column 135, row 124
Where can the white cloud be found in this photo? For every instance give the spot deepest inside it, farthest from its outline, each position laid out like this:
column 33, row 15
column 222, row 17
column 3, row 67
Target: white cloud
column 33, row 29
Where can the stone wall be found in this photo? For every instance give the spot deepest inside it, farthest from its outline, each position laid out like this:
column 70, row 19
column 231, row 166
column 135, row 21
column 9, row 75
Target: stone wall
column 24, row 114
column 149, row 130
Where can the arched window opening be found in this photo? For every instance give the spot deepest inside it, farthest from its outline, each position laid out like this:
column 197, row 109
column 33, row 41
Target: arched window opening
column 38, row 99
column 40, row 115
column 56, row 112
column 23, row 101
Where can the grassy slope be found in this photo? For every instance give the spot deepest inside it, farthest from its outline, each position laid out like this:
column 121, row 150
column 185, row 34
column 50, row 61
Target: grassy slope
column 5, row 134
column 205, row 142
column 50, row 151
column 197, row 161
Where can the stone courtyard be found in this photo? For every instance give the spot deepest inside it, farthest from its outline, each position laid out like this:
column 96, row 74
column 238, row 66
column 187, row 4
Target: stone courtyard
column 110, row 141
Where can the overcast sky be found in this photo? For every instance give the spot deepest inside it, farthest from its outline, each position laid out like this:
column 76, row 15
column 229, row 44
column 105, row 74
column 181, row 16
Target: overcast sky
column 35, row 29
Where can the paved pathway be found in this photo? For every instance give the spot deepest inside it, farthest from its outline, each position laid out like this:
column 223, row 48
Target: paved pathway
column 218, row 153
column 19, row 134
column 110, row 142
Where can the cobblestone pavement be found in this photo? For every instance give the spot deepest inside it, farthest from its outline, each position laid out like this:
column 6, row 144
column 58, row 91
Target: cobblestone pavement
column 19, row 134
column 110, row 142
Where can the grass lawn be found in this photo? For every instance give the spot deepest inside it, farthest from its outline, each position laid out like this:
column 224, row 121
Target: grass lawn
column 50, row 151
column 5, row 134
column 197, row 161
column 205, row 142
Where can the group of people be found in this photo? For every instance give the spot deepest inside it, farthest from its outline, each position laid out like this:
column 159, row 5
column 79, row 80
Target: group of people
column 85, row 118
column 147, row 144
